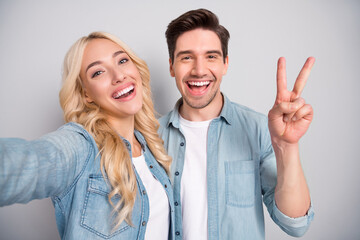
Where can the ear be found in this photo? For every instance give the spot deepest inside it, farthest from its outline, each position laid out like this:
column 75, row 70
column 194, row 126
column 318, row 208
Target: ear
column 226, row 65
column 87, row 98
column 171, row 68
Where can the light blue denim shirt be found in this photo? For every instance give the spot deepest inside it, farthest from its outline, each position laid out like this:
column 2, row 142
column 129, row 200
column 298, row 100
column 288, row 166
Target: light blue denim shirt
column 65, row 165
column 241, row 174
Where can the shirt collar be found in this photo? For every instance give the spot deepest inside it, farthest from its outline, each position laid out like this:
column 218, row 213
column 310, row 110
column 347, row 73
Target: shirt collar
column 174, row 115
column 225, row 114
column 139, row 137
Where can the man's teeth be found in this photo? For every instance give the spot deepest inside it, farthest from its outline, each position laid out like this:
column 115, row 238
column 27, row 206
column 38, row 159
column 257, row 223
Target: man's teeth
column 124, row 91
column 199, row 84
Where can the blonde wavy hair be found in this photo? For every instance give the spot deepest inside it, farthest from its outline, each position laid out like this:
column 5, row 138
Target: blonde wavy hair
column 115, row 158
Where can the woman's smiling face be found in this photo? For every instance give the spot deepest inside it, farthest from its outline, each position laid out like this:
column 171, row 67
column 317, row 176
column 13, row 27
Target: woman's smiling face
column 111, row 79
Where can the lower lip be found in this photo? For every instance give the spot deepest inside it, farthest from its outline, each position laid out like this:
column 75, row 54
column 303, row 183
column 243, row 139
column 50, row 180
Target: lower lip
column 128, row 98
column 198, row 92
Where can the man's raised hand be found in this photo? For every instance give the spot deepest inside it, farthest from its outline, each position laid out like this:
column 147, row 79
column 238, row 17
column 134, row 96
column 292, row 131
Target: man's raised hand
column 290, row 116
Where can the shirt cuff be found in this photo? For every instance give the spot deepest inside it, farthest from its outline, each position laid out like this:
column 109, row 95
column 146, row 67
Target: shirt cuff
column 293, row 226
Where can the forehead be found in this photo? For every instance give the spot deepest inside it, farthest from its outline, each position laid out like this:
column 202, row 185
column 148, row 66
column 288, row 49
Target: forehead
column 99, row 48
column 198, row 40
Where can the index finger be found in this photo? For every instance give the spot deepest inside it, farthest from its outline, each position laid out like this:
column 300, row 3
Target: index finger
column 281, row 82
column 303, row 76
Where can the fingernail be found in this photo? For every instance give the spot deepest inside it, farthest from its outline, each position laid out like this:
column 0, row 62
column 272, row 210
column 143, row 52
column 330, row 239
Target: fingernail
column 293, row 119
column 286, row 119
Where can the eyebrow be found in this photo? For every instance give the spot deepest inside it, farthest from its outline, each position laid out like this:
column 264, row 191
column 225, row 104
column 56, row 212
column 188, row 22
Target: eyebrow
column 118, row 52
column 99, row 62
column 182, row 53
column 215, row 51
column 189, row 52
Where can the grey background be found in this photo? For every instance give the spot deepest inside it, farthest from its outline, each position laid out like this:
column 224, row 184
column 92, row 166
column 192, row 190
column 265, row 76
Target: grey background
column 34, row 36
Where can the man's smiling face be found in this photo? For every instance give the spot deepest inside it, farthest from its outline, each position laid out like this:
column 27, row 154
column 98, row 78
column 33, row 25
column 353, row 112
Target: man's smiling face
column 198, row 67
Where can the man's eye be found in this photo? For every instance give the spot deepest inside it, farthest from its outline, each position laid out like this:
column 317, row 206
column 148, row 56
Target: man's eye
column 211, row 56
column 97, row 73
column 186, row 58
column 122, row 61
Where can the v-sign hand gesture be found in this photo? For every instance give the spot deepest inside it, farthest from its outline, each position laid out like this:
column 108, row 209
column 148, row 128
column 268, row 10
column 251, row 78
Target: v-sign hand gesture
column 290, row 117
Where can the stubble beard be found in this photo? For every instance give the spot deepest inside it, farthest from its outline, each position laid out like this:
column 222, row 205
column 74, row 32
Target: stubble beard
column 199, row 104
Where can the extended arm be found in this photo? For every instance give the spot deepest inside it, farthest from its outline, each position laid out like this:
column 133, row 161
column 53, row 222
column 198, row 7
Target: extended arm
column 41, row 168
column 289, row 119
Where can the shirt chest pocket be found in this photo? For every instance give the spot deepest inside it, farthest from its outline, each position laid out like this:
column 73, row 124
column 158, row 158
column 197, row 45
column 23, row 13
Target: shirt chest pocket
column 240, row 183
column 97, row 215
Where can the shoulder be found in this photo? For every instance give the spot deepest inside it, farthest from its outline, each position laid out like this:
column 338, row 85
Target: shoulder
column 171, row 118
column 247, row 115
column 251, row 123
column 72, row 136
column 164, row 120
column 248, row 122
column 73, row 128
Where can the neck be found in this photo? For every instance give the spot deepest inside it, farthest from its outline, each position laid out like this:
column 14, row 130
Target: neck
column 125, row 128
column 211, row 111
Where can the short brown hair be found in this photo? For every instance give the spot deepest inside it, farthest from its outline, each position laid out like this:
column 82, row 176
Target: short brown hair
column 200, row 18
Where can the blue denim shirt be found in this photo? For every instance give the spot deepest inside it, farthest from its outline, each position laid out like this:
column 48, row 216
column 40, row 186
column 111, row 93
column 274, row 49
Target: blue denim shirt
column 241, row 174
column 65, row 165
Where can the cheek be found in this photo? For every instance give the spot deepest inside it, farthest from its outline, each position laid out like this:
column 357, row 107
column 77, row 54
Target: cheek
column 133, row 71
column 141, row 100
column 180, row 84
column 97, row 89
column 140, row 92
column 181, row 70
column 218, row 71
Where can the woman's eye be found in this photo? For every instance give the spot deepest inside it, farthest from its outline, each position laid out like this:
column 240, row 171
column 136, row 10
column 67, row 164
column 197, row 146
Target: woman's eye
column 97, row 73
column 122, row 61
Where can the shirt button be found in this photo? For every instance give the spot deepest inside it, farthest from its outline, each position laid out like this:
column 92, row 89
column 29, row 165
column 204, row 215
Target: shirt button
column 143, row 223
column 177, row 233
column 144, row 192
column 177, row 173
column 151, row 166
column 176, row 203
column 182, row 144
column 165, row 186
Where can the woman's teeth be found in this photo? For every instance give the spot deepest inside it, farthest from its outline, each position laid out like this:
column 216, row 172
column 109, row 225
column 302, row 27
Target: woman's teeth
column 123, row 92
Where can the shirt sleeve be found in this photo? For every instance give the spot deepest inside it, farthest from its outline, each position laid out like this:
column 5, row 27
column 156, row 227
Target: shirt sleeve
column 295, row 227
column 40, row 168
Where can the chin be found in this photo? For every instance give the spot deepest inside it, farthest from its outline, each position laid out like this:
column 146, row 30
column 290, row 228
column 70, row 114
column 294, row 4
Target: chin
column 135, row 109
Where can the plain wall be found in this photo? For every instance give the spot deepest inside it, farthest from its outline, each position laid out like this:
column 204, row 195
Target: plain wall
column 35, row 35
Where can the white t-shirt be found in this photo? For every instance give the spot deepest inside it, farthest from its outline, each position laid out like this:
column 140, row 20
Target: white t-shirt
column 159, row 218
column 194, row 180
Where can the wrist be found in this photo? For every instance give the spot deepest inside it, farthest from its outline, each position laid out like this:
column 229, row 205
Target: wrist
column 287, row 154
column 283, row 146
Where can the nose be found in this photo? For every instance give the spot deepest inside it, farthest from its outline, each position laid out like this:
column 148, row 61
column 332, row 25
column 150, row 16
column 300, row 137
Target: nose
column 118, row 76
column 199, row 68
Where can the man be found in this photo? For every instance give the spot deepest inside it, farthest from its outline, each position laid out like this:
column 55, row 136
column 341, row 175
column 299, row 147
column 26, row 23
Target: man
column 224, row 162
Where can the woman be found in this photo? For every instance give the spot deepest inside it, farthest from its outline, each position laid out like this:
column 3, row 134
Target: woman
column 105, row 170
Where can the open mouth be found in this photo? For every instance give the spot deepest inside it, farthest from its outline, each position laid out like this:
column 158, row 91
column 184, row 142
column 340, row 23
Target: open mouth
column 124, row 92
column 198, row 86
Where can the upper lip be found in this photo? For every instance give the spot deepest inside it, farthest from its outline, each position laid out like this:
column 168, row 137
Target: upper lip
column 123, row 89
